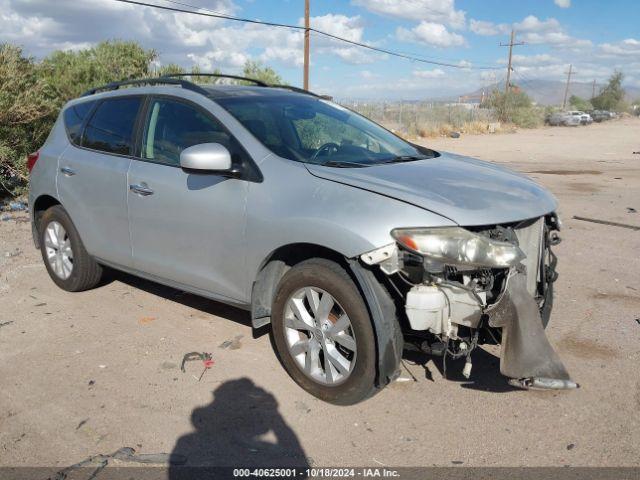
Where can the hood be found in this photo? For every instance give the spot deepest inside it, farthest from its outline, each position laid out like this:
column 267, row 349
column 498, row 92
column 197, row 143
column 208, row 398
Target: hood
column 465, row 190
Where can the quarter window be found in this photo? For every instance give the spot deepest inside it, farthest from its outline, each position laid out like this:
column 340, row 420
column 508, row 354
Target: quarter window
column 111, row 127
column 173, row 126
column 74, row 117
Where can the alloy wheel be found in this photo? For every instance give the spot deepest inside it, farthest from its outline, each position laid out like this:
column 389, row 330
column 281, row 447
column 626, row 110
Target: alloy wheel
column 58, row 249
column 319, row 336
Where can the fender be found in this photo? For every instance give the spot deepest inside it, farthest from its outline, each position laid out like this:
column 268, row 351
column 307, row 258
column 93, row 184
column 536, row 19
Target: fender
column 382, row 309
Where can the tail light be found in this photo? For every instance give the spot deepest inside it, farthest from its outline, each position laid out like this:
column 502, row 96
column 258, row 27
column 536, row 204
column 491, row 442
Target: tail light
column 31, row 160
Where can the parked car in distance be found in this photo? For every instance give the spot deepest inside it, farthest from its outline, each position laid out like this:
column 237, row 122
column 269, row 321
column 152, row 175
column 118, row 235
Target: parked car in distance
column 600, row 115
column 349, row 242
column 563, row 119
column 583, row 118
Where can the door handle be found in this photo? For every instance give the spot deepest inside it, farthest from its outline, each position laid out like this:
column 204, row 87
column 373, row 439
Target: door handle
column 69, row 172
column 141, row 189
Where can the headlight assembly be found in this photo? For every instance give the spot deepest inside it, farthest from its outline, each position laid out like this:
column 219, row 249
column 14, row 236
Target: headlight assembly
column 458, row 247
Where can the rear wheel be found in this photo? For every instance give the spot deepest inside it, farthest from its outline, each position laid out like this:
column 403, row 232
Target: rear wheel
column 67, row 261
column 323, row 334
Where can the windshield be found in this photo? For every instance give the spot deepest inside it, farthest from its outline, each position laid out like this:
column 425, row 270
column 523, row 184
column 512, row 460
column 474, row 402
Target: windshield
column 313, row 130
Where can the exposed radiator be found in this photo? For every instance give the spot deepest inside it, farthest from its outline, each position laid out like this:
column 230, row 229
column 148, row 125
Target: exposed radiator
column 531, row 242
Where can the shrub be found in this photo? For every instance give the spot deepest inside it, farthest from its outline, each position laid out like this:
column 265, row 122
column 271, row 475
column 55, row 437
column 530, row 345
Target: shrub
column 28, row 106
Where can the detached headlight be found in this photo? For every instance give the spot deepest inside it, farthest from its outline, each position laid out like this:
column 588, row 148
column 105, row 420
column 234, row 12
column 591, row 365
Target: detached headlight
column 459, row 247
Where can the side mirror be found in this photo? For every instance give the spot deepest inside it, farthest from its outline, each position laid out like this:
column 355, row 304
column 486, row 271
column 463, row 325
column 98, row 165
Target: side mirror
column 208, row 157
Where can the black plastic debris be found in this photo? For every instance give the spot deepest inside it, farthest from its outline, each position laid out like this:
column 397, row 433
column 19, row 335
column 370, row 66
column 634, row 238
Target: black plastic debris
column 6, row 323
column 607, row 222
column 631, row 210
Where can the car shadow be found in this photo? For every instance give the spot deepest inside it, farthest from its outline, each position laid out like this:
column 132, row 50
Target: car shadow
column 218, row 309
column 241, row 428
column 485, row 375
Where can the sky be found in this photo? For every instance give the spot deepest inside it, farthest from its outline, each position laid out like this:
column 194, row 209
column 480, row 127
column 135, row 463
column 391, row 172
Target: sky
column 596, row 37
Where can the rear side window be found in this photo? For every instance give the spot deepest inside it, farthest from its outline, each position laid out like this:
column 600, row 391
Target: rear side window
column 74, row 117
column 110, row 129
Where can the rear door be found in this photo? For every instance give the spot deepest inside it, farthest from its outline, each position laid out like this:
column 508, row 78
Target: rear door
column 92, row 177
column 186, row 227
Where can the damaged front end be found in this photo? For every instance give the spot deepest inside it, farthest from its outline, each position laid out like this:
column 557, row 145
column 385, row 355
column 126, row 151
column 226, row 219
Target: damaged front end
column 465, row 287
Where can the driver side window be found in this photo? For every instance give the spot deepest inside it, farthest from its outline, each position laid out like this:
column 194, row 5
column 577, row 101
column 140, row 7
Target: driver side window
column 172, row 126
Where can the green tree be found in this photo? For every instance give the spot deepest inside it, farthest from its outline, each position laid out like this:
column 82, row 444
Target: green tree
column 27, row 109
column 515, row 107
column 70, row 73
column 580, row 103
column 611, row 96
column 168, row 69
column 258, row 71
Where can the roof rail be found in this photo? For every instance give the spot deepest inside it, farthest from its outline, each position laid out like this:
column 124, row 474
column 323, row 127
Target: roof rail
column 296, row 89
column 236, row 77
column 147, row 81
column 176, row 79
column 217, row 75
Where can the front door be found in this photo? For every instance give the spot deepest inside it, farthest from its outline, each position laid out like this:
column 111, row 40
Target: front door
column 186, row 227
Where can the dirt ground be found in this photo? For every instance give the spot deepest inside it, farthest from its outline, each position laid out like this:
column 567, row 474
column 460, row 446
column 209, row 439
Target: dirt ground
column 92, row 372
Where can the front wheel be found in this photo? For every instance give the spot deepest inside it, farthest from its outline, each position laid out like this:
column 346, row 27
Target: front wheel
column 323, row 334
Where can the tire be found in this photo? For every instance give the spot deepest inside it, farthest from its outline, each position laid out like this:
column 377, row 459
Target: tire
column 84, row 273
column 325, row 277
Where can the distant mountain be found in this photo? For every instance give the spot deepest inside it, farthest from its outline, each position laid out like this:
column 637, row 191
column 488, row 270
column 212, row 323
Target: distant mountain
column 551, row 92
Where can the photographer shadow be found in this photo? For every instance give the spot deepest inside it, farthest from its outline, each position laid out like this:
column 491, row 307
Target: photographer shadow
column 240, row 428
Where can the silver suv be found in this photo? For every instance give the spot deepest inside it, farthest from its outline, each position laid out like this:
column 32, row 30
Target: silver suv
column 353, row 244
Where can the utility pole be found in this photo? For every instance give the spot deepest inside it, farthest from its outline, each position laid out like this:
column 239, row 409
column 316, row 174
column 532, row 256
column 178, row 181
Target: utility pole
column 306, row 45
column 593, row 89
column 511, row 44
column 566, row 88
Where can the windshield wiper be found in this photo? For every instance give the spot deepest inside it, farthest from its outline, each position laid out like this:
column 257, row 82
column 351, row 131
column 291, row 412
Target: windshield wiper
column 342, row 164
column 406, row 158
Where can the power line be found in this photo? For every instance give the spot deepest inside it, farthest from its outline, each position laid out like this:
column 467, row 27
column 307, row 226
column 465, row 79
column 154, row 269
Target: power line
column 297, row 27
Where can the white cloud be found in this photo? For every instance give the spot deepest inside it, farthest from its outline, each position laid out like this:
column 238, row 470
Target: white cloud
column 435, row 73
column 629, row 47
column 562, row 3
column 343, row 26
column 539, row 59
column 438, row 11
column 42, row 26
column 368, row 74
column 481, row 27
column 535, row 31
column 430, row 33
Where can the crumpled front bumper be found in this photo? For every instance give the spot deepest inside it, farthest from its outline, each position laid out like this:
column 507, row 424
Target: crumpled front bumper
column 526, row 355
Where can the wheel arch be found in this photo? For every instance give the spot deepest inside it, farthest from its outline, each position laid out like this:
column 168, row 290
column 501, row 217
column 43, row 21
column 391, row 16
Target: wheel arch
column 382, row 308
column 273, row 268
column 40, row 205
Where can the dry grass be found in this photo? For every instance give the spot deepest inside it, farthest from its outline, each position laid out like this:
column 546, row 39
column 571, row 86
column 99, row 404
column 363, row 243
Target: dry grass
column 467, row 128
